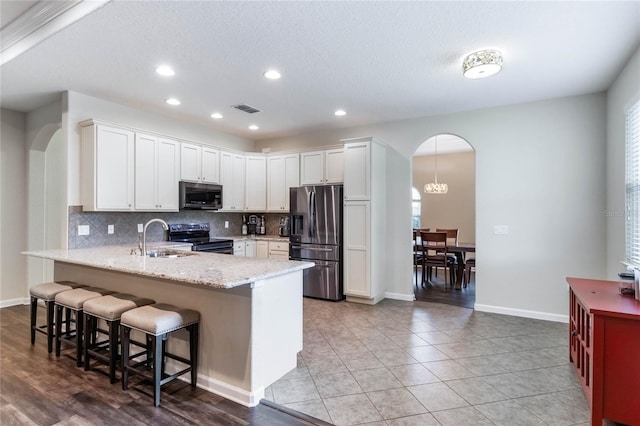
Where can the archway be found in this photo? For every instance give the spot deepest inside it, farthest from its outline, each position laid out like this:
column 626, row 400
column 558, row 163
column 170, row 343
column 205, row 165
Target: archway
column 454, row 164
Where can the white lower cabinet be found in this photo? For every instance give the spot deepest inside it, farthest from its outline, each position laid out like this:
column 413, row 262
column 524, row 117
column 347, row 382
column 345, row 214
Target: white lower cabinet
column 279, row 250
column 262, row 249
column 238, row 248
column 357, row 249
column 244, row 248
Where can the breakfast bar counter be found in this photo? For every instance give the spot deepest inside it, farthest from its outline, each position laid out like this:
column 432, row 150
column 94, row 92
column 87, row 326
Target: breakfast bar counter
column 251, row 309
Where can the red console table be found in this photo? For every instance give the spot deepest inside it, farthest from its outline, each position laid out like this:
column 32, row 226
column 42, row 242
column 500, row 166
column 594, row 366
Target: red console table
column 604, row 346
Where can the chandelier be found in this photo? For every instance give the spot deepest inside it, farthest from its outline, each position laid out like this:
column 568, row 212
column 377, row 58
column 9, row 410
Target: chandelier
column 482, row 64
column 436, row 187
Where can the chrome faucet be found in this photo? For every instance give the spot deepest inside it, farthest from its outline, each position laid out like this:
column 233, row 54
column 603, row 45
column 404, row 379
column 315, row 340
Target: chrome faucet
column 144, row 233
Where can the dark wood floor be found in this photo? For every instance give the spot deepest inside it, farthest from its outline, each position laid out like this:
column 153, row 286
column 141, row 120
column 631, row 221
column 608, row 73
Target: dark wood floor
column 39, row 389
column 438, row 293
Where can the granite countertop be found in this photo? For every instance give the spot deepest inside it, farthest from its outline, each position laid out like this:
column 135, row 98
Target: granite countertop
column 258, row 238
column 206, row 269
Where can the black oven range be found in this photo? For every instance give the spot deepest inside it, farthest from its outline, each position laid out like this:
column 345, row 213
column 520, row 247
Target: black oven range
column 198, row 235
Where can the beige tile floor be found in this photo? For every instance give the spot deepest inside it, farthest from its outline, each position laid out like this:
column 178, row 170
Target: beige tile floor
column 421, row 363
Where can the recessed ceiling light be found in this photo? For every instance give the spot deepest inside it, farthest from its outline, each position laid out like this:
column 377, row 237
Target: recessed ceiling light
column 173, row 101
column 165, row 70
column 216, row 115
column 253, row 127
column 340, row 112
column 272, row 74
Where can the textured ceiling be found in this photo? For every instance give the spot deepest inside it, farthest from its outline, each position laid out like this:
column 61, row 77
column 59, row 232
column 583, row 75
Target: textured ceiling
column 380, row 61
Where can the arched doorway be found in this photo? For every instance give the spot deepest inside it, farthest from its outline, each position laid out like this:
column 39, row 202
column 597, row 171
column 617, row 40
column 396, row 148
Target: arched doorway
column 453, row 162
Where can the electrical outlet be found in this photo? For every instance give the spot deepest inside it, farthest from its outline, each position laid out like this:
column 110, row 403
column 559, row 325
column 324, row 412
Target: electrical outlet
column 500, row 229
column 226, row 223
column 83, row 229
column 110, row 229
column 140, row 227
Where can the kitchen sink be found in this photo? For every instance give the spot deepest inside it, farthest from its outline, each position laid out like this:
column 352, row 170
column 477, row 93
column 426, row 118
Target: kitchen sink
column 169, row 253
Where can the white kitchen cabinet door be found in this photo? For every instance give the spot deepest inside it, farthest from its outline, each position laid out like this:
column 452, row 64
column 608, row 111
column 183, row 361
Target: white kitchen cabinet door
column 283, row 172
column 210, row 165
column 279, row 250
column 190, row 162
column 312, row 168
column 232, row 178
column 334, row 166
column 262, row 249
column 250, row 248
column 357, row 179
column 256, row 186
column 107, row 182
column 168, row 174
column 239, row 248
column 357, row 229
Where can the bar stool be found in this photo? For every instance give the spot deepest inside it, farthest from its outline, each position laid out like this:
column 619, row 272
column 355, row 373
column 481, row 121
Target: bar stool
column 108, row 308
column 158, row 320
column 47, row 293
column 73, row 301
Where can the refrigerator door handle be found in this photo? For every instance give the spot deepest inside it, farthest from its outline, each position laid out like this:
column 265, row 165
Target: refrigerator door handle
column 312, row 213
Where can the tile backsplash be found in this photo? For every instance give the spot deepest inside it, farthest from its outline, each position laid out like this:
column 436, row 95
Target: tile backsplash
column 126, row 225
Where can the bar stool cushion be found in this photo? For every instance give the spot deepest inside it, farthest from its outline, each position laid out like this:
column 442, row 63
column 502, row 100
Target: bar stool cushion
column 48, row 291
column 75, row 298
column 112, row 306
column 159, row 318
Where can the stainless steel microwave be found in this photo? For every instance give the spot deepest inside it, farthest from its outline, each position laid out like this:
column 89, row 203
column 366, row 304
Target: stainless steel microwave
column 201, row 196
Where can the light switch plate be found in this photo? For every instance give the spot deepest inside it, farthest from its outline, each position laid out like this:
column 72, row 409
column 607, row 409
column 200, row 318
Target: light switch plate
column 110, row 229
column 140, row 227
column 83, row 229
column 226, row 223
column 500, row 229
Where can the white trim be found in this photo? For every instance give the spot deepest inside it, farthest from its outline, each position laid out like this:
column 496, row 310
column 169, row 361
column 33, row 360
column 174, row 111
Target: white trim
column 223, row 389
column 522, row 313
column 400, row 296
column 14, row 302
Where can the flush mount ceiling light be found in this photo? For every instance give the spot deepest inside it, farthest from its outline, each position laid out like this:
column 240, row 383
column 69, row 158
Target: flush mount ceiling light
column 436, row 187
column 216, row 115
column 253, row 127
column 272, row 75
column 165, row 70
column 340, row 113
column 482, row 64
column 173, row 101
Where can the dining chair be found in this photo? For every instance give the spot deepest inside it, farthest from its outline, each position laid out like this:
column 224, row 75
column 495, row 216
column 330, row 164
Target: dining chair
column 452, row 240
column 468, row 264
column 418, row 254
column 434, row 246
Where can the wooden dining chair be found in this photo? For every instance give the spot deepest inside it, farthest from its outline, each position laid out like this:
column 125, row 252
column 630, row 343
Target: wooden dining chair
column 417, row 253
column 468, row 264
column 434, row 247
column 452, row 239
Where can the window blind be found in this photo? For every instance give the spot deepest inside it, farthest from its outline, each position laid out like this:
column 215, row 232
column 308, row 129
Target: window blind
column 632, row 184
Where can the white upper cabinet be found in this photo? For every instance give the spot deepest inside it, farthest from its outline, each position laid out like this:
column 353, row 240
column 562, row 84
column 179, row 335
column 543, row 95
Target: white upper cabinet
column 199, row 163
column 232, row 178
column 322, row 167
column 283, row 172
column 107, row 182
column 357, row 171
column 156, row 173
column 256, row 184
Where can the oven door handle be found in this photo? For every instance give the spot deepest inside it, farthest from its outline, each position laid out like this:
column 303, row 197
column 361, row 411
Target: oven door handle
column 312, row 248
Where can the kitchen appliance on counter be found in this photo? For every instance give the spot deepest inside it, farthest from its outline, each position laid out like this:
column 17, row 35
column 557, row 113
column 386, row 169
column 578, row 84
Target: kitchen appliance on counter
column 198, row 235
column 315, row 221
column 252, row 224
column 200, row 196
column 283, row 229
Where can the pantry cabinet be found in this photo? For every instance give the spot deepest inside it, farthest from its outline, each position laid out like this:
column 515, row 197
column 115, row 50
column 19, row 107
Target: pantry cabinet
column 322, row 167
column 283, row 172
column 199, row 163
column 232, row 179
column 156, row 173
column 107, row 167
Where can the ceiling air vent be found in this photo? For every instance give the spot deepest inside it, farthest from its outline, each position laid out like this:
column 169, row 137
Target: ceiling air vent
column 246, row 108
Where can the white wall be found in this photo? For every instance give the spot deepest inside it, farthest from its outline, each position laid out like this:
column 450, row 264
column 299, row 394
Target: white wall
column 13, row 222
column 623, row 93
column 81, row 107
column 540, row 169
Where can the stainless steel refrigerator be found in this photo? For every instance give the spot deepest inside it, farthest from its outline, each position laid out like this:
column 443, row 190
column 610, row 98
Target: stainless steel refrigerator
column 315, row 218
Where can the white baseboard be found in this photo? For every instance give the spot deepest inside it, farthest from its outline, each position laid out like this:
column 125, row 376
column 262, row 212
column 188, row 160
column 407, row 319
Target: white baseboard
column 14, row 302
column 522, row 313
column 400, row 296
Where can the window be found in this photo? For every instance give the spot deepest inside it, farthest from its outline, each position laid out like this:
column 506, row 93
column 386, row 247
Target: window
column 416, row 207
column 632, row 184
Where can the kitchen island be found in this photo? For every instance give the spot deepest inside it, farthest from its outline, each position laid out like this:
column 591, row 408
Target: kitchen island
column 251, row 309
